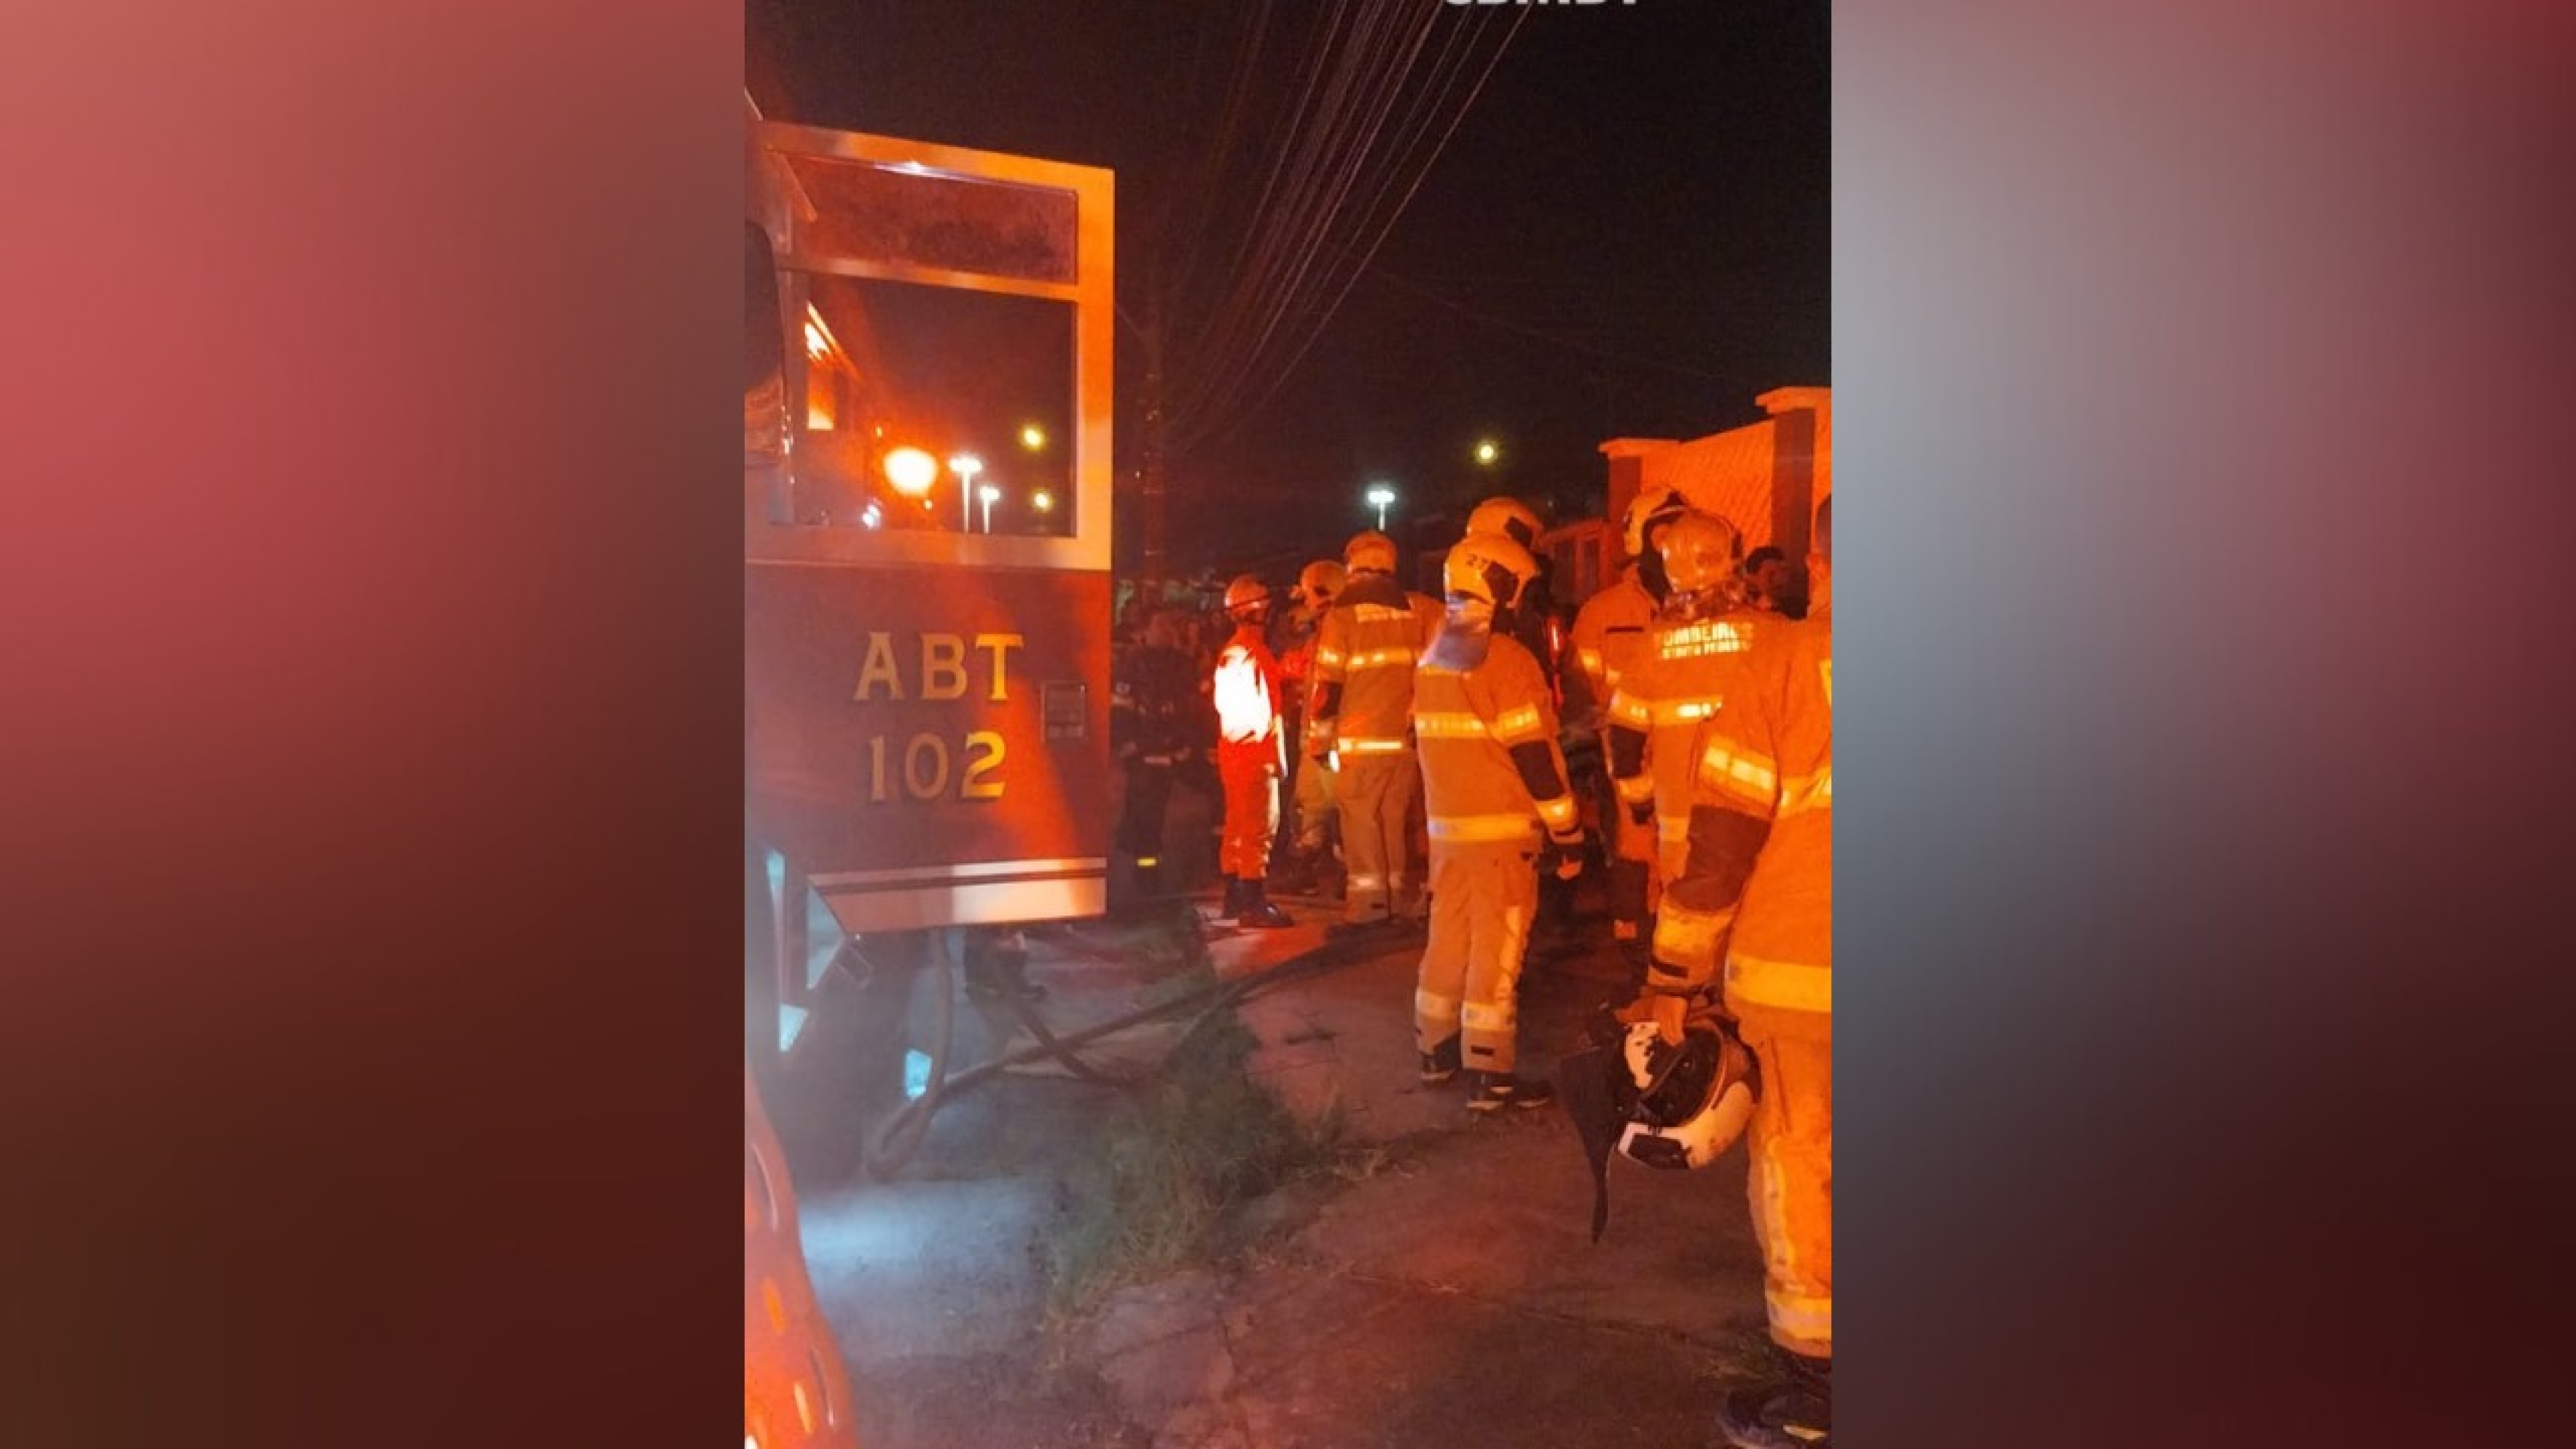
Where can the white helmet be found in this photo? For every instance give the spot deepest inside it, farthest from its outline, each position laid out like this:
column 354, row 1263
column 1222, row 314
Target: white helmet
column 1247, row 598
column 1651, row 506
column 1369, row 552
column 1318, row 583
column 1488, row 566
column 1685, row 1104
column 1509, row 517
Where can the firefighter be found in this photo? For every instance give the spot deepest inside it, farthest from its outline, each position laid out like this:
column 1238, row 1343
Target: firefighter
column 1364, row 661
column 1677, row 681
column 1154, row 722
column 1756, row 892
column 1245, row 690
column 1494, row 783
column 1535, row 610
column 1311, row 787
column 1608, row 631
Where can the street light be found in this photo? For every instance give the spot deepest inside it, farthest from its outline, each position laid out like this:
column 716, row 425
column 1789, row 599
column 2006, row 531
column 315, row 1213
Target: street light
column 1379, row 497
column 988, row 493
column 965, row 466
column 1487, row 451
column 1042, row 501
column 1033, row 437
column 911, row 471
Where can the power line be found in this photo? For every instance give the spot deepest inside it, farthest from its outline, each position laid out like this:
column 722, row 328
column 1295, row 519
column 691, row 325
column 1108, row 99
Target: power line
column 1571, row 344
column 1347, row 159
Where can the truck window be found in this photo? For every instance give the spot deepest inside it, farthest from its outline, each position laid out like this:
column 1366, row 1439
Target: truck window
column 979, row 386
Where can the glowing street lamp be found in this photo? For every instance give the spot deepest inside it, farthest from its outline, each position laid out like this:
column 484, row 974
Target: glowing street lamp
column 1380, row 497
column 1033, row 437
column 965, row 466
column 988, row 493
column 1042, row 501
column 911, row 471
column 1487, row 451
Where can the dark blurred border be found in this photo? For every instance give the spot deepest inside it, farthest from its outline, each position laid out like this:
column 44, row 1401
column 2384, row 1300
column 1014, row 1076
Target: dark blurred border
column 2203, row 376
column 371, row 731
column 372, row 723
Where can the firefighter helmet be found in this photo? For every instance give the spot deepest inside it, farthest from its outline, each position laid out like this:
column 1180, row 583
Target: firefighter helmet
column 1247, row 597
column 1318, row 582
column 1685, row 1104
column 1509, row 517
column 1650, row 507
column 1370, row 552
column 1702, row 551
column 1488, row 566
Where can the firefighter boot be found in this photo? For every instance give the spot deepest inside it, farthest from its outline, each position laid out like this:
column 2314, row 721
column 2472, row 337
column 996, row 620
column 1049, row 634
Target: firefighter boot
column 1793, row 1411
column 1440, row 1063
column 1297, row 871
column 1233, row 898
column 1497, row 1090
column 1257, row 912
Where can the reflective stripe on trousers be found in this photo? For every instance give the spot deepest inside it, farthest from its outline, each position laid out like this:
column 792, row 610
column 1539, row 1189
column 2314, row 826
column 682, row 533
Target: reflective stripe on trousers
column 1782, row 985
column 1483, row 898
column 1375, row 793
column 1363, row 745
column 1791, row 1182
column 1491, row 829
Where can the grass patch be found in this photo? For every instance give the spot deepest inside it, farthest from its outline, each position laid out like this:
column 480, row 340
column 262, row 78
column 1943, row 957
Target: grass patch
column 1175, row 1157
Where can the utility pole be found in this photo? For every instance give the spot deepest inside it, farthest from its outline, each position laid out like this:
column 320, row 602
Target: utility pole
column 1153, row 449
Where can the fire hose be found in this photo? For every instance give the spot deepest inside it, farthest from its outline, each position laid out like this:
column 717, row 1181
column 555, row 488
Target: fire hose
column 897, row 1135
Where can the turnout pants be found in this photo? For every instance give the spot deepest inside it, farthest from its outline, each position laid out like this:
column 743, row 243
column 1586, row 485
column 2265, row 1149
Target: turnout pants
column 1251, row 775
column 1483, row 897
column 1316, row 808
column 1634, row 883
column 1377, row 792
column 1140, row 823
column 1791, row 1150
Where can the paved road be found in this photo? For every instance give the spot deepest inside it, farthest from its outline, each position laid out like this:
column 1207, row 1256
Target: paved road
column 1441, row 1290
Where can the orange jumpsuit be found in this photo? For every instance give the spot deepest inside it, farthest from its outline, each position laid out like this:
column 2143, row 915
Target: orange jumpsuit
column 1245, row 688
column 1758, row 892
column 1492, row 778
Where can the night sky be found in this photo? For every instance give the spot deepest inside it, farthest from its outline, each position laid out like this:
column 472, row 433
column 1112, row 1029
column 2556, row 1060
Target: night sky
column 1626, row 235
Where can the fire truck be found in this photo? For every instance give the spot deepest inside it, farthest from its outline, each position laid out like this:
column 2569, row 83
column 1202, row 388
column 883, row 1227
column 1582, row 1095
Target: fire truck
column 926, row 596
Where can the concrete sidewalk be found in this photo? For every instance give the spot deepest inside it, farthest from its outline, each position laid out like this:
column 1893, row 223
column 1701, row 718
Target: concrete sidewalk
column 1440, row 1289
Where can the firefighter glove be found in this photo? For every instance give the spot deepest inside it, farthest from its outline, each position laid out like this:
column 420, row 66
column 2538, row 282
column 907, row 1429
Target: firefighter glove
column 1670, row 1012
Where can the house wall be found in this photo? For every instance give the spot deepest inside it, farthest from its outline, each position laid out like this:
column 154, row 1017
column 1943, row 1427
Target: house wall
column 1765, row 477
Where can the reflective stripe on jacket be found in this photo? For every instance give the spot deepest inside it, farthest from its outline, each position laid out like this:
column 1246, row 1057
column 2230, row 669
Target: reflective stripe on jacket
column 1368, row 644
column 1768, row 754
column 1676, row 684
column 1467, row 722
